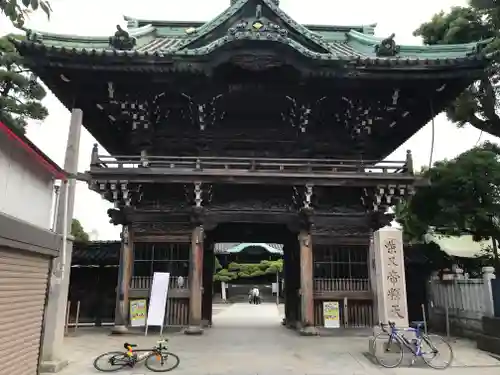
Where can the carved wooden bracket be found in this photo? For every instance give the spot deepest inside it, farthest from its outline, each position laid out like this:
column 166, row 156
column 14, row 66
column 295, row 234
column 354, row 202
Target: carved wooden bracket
column 306, row 219
column 120, row 192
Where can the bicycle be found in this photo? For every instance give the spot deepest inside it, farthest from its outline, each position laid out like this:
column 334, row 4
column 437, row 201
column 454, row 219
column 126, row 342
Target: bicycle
column 394, row 341
column 157, row 355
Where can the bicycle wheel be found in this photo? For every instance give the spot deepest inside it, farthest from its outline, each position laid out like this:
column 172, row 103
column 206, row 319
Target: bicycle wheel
column 166, row 360
column 115, row 360
column 435, row 348
column 387, row 350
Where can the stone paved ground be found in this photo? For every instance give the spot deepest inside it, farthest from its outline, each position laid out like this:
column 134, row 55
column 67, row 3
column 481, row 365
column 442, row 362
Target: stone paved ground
column 248, row 340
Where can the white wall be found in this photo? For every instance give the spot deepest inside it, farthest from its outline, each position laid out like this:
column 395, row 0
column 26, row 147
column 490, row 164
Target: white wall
column 26, row 188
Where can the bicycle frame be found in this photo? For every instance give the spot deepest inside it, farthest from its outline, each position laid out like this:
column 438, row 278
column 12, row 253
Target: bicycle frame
column 134, row 358
column 396, row 335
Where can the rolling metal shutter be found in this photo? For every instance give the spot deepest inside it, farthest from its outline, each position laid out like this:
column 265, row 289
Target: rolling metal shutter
column 23, row 284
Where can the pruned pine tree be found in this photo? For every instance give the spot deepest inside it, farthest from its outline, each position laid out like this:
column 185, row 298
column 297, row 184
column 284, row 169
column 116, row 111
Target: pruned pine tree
column 21, row 93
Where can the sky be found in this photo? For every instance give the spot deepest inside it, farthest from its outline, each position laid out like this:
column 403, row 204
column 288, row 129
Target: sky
column 100, row 17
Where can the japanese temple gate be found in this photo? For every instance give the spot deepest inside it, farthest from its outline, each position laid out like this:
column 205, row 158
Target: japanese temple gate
column 252, row 128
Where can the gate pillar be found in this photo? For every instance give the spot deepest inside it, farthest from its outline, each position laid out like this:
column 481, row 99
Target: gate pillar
column 306, row 284
column 124, row 279
column 195, row 282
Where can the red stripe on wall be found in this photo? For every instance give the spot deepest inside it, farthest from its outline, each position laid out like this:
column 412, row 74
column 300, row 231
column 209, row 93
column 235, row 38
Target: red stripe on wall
column 55, row 172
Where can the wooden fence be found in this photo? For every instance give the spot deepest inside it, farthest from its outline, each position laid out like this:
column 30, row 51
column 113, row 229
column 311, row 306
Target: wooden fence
column 353, row 313
column 356, row 311
column 177, row 308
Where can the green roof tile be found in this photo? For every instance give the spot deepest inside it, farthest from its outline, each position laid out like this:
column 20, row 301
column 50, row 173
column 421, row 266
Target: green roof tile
column 171, row 38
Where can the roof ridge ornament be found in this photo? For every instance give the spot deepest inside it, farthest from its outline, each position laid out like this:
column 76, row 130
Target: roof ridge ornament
column 33, row 36
column 387, row 47
column 122, row 40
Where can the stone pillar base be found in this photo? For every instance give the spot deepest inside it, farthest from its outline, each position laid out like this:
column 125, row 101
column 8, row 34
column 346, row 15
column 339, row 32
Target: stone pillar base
column 193, row 330
column 371, row 345
column 308, row 331
column 52, row 366
column 119, row 330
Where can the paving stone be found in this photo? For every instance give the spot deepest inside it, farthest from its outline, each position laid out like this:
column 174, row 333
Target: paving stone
column 249, row 340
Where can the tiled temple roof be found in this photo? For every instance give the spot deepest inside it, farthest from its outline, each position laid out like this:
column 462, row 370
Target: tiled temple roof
column 258, row 21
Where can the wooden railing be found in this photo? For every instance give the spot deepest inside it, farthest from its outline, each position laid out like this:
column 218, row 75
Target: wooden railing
column 341, row 285
column 144, row 282
column 352, row 313
column 204, row 164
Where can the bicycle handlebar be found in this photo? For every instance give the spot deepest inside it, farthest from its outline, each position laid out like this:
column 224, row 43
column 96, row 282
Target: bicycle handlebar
column 383, row 326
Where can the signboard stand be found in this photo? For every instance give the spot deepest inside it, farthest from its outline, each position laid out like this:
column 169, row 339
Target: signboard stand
column 158, row 301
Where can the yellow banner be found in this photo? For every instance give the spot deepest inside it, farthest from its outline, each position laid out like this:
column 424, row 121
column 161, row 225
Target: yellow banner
column 331, row 314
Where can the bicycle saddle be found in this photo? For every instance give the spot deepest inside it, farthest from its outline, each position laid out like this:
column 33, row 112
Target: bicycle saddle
column 417, row 324
column 127, row 345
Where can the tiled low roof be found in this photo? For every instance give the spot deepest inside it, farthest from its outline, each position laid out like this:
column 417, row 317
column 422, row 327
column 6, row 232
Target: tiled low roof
column 100, row 253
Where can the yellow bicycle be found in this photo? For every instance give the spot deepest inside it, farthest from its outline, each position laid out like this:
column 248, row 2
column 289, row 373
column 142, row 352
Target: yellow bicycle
column 157, row 359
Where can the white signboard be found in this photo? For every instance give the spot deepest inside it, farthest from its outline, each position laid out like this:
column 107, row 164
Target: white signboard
column 331, row 314
column 158, row 300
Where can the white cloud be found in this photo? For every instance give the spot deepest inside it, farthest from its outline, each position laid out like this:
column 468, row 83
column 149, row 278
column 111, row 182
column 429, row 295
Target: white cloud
column 93, row 17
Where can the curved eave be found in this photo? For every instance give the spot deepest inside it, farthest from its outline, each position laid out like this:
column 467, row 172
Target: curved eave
column 164, row 23
column 95, row 42
column 27, row 48
column 436, row 51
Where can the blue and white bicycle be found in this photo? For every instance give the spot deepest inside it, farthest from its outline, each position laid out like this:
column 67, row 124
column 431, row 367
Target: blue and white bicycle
column 388, row 346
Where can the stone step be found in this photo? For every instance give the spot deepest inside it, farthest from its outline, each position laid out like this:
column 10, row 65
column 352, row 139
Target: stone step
column 488, row 343
column 491, row 326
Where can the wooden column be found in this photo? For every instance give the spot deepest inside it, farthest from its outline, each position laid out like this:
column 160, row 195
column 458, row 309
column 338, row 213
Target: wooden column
column 124, row 279
column 306, row 283
column 208, row 281
column 195, row 282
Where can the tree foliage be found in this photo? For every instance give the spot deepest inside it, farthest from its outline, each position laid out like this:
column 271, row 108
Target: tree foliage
column 478, row 104
column 20, row 92
column 463, row 197
column 19, row 10
column 249, row 270
column 78, row 232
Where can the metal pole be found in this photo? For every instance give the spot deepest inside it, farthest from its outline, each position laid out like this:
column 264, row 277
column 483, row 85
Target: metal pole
column 77, row 318
column 56, row 206
column 346, row 314
column 425, row 318
column 277, row 288
column 66, row 325
column 447, row 318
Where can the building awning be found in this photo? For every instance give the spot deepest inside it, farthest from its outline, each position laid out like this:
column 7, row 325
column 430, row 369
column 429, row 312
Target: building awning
column 459, row 246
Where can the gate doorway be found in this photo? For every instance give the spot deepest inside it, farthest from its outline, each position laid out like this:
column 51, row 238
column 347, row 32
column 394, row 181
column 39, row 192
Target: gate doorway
column 239, row 281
